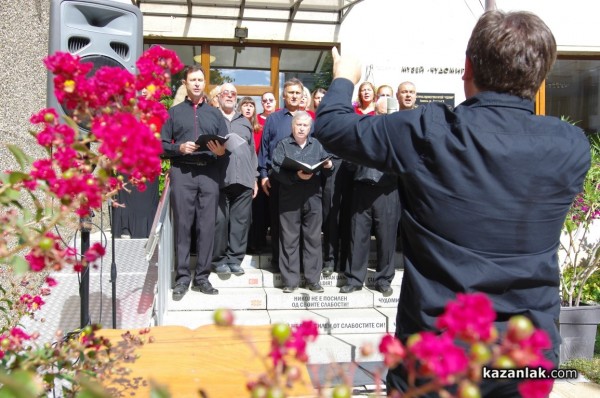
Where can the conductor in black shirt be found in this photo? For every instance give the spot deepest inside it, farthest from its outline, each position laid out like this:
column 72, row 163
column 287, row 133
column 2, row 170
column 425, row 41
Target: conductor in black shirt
column 485, row 186
column 195, row 174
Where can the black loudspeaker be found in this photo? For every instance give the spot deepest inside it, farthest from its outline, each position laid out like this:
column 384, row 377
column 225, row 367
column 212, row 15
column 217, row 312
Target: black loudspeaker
column 103, row 32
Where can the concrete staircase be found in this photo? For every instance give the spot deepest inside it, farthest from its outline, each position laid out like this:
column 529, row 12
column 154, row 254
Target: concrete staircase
column 346, row 321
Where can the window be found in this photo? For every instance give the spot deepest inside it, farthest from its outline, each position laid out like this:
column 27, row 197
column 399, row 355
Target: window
column 254, row 68
column 572, row 90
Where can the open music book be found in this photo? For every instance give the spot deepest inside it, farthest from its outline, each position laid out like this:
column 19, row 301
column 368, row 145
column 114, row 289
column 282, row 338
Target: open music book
column 231, row 141
column 289, row 163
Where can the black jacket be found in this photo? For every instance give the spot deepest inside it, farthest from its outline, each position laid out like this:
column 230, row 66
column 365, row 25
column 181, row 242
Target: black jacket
column 485, row 190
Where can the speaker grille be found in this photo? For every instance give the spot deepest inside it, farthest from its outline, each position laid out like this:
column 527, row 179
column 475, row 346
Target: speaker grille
column 77, row 43
column 121, row 49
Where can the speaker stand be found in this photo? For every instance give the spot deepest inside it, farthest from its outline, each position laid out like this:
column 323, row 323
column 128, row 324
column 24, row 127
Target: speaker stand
column 84, row 285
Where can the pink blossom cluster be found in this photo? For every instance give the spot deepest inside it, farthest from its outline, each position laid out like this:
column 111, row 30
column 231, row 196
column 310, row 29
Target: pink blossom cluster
column 12, row 341
column 33, row 303
column 301, row 334
column 47, row 253
column 467, row 341
column 124, row 125
column 581, row 210
column 470, row 318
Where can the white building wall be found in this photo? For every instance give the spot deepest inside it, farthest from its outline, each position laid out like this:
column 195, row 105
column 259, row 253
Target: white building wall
column 390, row 35
column 422, row 41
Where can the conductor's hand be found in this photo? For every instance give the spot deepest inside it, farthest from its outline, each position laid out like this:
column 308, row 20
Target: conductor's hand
column 346, row 66
column 216, row 147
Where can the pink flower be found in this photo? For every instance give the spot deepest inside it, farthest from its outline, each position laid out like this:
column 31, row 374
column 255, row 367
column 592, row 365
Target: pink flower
column 32, row 303
column 36, row 262
column 78, row 267
column 470, row 318
column 306, row 331
column 529, row 351
column 51, row 281
column 539, row 388
column 94, row 252
column 439, row 356
column 276, row 353
column 392, row 349
column 45, row 116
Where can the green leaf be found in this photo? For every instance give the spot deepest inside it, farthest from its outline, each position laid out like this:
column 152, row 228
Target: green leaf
column 19, row 384
column 11, row 196
column 20, row 265
column 159, row 391
column 19, row 155
column 17, row 176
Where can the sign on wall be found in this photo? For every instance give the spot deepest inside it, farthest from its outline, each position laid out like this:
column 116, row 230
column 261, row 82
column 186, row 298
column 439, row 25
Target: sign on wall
column 446, row 98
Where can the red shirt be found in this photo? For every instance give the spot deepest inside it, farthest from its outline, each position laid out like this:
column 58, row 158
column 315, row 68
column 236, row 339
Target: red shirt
column 258, row 133
column 359, row 111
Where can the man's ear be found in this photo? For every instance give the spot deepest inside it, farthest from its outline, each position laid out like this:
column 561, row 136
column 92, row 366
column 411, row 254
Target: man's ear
column 468, row 74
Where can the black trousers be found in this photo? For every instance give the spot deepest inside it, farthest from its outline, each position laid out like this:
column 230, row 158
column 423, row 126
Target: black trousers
column 337, row 209
column 233, row 222
column 257, row 236
column 274, row 220
column 194, row 196
column 300, row 217
column 374, row 207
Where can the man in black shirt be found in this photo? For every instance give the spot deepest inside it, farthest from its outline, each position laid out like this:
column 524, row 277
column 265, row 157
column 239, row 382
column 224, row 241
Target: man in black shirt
column 194, row 176
column 485, row 187
column 300, row 208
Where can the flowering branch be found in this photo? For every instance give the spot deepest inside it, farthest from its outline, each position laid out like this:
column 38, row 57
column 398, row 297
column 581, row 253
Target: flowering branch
column 453, row 357
column 73, row 179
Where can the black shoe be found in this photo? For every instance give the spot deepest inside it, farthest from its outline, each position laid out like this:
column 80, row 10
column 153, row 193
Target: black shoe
column 327, row 271
column 204, row 287
column 289, row 289
column 235, row 269
column 315, row 287
column 179, row 291
column 221, row 269
column 384, row 289
column 350, row 288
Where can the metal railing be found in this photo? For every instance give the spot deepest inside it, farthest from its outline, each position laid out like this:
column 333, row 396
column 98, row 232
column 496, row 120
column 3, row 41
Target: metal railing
column 161, row 236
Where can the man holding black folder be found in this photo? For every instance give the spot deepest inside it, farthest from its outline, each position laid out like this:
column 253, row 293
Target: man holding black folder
column 300, row 208
column 239, row 187
column 195, row 174
column 277, row 127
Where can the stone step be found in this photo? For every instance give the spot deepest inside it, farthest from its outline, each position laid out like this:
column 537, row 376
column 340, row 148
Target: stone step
column 330, row 321
column 341, row 332
column 343, row 348
column 336, row 321
column 251, row 298
column 305, row 299
column 256, row 276
column 272, row 278
column 264, row 260
column 195, row 319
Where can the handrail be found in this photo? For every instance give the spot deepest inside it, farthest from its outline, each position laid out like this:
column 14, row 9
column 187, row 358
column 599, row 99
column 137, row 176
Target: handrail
column 161, row 236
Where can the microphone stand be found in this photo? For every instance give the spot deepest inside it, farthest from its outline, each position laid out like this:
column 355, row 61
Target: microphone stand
column 84, row 286
column 113, row 267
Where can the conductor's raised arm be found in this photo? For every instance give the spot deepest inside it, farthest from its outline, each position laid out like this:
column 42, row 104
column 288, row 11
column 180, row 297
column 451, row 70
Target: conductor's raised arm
column 347, row 67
